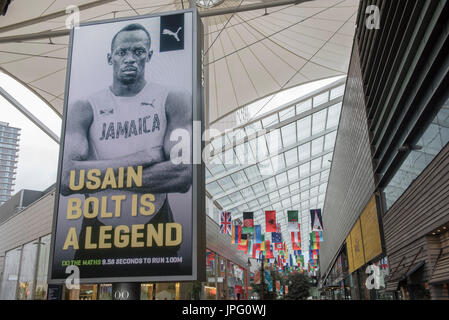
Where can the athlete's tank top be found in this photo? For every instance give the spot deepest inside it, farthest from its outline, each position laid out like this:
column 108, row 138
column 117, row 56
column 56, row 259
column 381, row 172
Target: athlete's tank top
column 122, row 126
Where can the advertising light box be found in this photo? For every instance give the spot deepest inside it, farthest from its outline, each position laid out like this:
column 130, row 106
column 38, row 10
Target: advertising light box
column 129, row 205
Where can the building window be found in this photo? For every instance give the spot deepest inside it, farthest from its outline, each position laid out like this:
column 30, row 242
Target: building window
column 10, row 275
column 431, row 143
column 42, row 268
column 27, row 268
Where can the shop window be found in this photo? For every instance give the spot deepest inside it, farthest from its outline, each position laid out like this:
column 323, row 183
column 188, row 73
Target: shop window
column 42, row 268
column 146, row 292
column 165, row 291
column 85, row 292
column 10, row 275
column 27, row 269
column 105, row 292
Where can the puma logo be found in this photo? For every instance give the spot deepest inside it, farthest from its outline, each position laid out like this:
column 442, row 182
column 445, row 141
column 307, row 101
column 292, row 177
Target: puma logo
column 171, row 33
column 151, row 104
column 107, row 112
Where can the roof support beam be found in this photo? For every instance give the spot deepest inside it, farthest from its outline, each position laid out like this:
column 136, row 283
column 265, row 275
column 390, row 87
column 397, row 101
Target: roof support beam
column 284, row 197
column 52, row 16
column 66, row 32
column 249, row 7
column 29, row 115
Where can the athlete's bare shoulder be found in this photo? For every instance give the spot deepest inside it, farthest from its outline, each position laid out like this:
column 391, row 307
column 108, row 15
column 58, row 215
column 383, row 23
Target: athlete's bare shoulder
column 179, row 104
column 80, row 114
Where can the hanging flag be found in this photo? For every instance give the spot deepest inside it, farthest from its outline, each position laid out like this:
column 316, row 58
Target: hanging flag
column 278, row 228
column 316, row 219
column 225, row 222
column 262, row 244
column 314, row 246
column 278, row 246
column 292, row 221
column 258, row 234
column 270, row 221
column 296, row 247
column 276, row 237
column 269, row 250
column 243, row 239
column 296, row 237
column 301, row 260
column 237, row 233
column 248, row 222
column 315, row 254
column 316, row 236
column 248, row 247
column 210, row 258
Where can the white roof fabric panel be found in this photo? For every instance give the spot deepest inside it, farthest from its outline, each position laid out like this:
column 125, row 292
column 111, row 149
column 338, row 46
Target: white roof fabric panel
column 291, row 45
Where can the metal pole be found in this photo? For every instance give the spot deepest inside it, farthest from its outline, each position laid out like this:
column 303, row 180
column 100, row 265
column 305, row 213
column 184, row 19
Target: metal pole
column 263, row 277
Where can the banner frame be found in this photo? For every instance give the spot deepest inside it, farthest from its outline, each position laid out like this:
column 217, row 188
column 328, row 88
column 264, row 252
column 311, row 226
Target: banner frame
column 198, row 235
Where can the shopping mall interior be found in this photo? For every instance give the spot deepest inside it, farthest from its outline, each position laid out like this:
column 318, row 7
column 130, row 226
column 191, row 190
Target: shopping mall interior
column 322, row 144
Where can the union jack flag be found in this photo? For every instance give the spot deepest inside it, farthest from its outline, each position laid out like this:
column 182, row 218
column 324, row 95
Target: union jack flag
column 225, row 225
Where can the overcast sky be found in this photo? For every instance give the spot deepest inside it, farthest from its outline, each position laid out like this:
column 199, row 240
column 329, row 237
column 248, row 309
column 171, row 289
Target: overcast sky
column 38, row 155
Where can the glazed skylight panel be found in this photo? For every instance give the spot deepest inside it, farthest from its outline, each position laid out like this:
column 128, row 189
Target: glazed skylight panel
column 280, row 161
column 271, row 120
column 278, row 180
column 272, row 162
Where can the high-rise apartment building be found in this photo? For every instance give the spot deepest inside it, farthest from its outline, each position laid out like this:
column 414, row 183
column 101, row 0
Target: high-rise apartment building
column 9, row 148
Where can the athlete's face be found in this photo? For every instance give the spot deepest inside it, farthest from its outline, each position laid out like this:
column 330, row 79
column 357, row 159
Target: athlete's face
column 130, row 51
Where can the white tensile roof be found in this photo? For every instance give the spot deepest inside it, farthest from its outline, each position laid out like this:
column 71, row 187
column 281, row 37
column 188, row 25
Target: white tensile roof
column 250, row 54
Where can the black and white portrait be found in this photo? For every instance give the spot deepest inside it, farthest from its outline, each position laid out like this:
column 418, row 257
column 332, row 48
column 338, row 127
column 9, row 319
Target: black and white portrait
column 123, row 201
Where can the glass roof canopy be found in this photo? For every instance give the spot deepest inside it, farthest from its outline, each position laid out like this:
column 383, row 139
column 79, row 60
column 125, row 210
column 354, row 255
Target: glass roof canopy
column 280, row 161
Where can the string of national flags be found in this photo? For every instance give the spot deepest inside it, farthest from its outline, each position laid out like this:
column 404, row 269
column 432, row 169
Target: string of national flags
column 249, row 238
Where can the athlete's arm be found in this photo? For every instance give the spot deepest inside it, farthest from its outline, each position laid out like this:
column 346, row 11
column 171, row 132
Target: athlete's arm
column 167, row 177
column 77, row 149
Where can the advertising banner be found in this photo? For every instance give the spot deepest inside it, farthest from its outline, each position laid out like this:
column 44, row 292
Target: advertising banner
column 358, row 254
column 372, row 242
column 129, row 196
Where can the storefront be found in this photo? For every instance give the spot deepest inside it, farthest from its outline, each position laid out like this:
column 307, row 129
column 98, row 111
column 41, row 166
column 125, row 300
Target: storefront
column 24, row 258
column 24, row 278
column 361, row 267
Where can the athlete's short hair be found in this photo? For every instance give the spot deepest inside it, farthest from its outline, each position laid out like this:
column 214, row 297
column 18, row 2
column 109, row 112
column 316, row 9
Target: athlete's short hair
column 131, row 27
